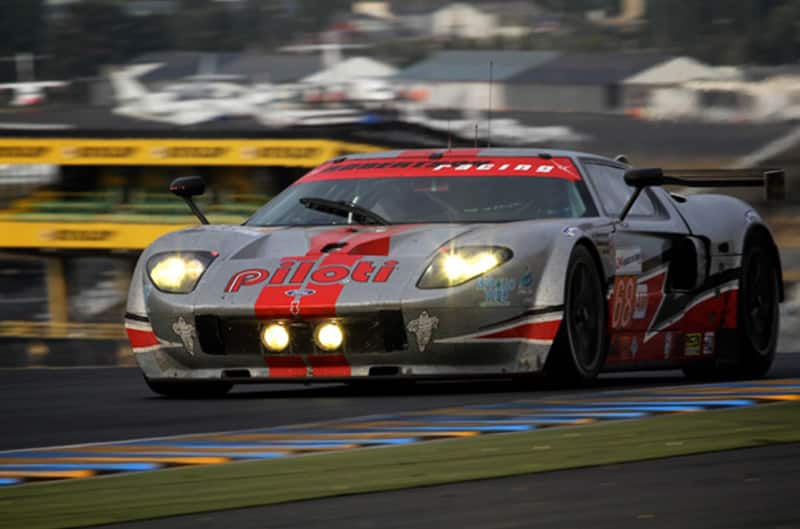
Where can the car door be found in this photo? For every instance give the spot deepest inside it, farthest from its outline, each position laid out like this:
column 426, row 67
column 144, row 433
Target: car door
column 646, row 248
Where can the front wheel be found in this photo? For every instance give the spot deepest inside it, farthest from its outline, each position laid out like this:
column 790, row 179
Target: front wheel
column 580, row 348
column 189, row 389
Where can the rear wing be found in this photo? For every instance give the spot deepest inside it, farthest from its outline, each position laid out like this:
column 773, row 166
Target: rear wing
column 773, row 180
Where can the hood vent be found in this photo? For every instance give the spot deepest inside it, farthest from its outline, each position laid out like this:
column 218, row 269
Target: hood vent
column 333, row 246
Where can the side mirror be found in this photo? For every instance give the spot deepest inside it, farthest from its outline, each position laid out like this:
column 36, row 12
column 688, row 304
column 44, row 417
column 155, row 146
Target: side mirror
column 188, row 186
column 639, row 178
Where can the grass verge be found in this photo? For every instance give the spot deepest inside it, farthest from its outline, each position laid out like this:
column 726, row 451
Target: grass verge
column 196, row 489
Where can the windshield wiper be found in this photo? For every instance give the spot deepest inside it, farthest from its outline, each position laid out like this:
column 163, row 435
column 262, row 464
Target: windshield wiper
column 343, row 209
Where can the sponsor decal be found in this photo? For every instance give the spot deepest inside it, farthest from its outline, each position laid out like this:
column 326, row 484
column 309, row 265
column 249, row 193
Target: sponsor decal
column 496, row 290
column 570, row 231
column 297, row 294
column 692, row 343
column 422, row 328
column 640, row 308
column 624, row 299
column 668, row 340
column 501, row 167
column 526, row 284
column 77, row 235
column 281, row 152
column 708, row 343
column 99, row 151
column 22, row 151
column 628, row 261
column 400, row 168
column 297, row 270
column 189, row 151
column 185, row 332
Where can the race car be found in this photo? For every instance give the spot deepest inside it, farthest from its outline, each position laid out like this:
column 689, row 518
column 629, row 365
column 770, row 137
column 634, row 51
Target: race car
column 462, row 263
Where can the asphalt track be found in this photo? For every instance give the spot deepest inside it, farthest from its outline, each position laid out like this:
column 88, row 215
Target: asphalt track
column 48, row 407
column 748, row 488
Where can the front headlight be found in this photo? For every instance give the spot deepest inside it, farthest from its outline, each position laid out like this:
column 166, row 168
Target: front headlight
column 178, row 273
column 454, row 266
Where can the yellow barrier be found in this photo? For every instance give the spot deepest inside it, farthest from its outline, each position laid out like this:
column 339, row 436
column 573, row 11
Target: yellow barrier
column 51, row 330
column 81, row 235
column 166, row 151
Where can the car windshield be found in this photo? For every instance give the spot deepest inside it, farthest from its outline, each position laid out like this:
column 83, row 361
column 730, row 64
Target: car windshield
column 427, row 200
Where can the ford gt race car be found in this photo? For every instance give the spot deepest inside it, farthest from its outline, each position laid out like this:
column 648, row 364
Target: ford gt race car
column 462, row 263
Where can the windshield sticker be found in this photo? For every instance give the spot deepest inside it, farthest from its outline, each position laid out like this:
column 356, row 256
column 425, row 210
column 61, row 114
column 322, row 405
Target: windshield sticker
column 522, row 166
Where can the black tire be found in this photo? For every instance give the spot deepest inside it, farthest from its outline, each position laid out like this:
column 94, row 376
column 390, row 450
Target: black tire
column 758, row 310
column 184, row 389
column 581, row 345
column 757, row 318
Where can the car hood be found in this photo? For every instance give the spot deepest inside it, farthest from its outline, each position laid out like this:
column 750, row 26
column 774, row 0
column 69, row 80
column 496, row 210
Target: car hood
column 322, row 271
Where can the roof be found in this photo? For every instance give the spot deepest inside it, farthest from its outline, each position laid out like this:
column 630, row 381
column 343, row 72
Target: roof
column 590, row 68
column 181, row 64
column 353, row 68
column 275, row 68
column 676, row 70
column 473, row 65
column 464, row 152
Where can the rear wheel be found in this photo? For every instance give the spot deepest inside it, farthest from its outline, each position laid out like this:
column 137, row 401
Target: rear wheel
column 186, row 389
column 758, row 310
column 582, row 342
column 757, row 318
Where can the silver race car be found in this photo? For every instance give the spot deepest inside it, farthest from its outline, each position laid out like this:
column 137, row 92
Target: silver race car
column 462, row 263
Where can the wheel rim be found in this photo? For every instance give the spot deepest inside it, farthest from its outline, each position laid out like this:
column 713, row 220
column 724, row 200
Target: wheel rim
column 760, row 300
column 583, row 324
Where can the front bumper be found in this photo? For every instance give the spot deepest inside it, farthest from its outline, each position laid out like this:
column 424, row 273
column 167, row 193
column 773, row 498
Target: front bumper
column 394, row 346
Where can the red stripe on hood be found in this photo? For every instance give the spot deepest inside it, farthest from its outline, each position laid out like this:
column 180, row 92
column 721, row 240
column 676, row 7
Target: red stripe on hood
column 317, row 299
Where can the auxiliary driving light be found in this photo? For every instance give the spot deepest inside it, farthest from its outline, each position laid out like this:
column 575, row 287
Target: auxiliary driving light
column 329, row 336
column 275, row 337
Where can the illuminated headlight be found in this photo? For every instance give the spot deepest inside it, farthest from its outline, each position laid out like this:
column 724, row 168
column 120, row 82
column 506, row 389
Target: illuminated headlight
column 329, row 336
column 275, row 337
column 178, row 273
column 455, row 266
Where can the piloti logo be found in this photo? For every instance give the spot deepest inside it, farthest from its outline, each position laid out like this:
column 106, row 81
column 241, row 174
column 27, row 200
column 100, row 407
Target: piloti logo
column 298, row 271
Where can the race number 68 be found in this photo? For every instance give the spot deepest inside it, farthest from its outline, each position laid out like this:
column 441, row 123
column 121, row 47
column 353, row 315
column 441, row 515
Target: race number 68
column 624, row 299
